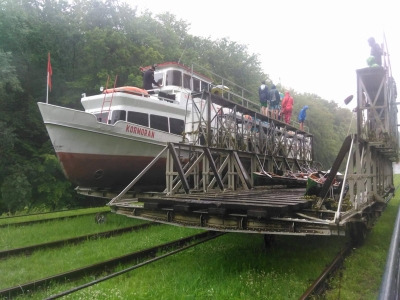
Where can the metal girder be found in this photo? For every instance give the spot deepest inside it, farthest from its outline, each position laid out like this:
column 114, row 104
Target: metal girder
column 219, row 123
column 213, row 168
column 175, row 159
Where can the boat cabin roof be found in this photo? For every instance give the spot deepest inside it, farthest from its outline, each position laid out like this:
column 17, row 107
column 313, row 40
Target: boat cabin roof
column 178, row 66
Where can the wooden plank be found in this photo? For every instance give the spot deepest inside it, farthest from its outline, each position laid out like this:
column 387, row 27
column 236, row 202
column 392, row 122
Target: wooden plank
column 196, row 204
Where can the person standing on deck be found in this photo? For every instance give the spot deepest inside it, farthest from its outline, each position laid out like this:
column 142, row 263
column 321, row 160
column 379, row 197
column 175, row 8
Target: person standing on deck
column 302, row 117
column 274, row 100
column 263, row 94
column 376, row 51
column 148, row 79
column 287, row 107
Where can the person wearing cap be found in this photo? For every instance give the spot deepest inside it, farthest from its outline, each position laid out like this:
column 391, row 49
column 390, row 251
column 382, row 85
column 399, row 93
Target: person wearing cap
column 148, row 79
column 376, row 50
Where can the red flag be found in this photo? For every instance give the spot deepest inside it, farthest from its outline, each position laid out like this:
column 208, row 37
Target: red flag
column 49, row 72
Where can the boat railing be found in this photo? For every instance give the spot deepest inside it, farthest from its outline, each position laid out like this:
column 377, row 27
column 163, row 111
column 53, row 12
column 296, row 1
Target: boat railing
column 297, row 125
column 230, row 94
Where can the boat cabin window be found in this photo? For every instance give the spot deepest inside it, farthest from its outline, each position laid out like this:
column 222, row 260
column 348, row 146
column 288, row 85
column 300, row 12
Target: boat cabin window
column 186, row 81
column 174, row 77
column 138, row 118
column 102, row 117
column 204, row 86
column 118, row 115
column 158, row 77
column 196, row 85
column 159, row 122
column 176, row 126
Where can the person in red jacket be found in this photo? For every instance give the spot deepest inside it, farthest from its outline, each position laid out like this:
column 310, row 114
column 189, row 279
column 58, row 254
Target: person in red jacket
column 287, row 107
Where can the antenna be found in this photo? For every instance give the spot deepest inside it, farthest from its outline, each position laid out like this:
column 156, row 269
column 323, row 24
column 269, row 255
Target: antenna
column 182, row 54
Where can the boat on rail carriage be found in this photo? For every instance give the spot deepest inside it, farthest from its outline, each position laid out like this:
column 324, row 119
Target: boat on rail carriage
column 122, row 129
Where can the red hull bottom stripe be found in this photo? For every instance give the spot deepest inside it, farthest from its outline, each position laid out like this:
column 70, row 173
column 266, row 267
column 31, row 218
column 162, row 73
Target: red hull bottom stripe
column 110, row 171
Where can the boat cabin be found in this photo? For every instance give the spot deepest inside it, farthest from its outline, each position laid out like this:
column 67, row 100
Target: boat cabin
column 174, row 76
column 163, row 110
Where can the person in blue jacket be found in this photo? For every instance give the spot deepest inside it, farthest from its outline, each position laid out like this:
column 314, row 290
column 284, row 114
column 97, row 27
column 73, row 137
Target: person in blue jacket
column 302, row 117
column 263, row 94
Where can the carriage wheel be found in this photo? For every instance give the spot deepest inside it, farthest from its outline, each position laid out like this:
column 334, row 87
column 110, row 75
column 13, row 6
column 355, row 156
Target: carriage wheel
column 358, row 233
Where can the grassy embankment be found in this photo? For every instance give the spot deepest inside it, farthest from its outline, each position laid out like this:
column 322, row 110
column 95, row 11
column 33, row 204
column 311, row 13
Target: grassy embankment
column 363, row 269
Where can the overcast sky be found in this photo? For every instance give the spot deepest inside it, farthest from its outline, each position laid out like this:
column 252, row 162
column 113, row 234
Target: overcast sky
column 310, row 46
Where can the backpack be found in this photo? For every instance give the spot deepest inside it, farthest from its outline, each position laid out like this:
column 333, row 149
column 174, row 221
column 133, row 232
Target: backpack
column 273, row 99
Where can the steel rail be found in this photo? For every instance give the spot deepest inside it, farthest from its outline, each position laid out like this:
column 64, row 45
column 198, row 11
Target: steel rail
column 319, row 285
column 133, row 267
column 25, row 223
column 75, row 240
column 47, row 212
column 108, row 264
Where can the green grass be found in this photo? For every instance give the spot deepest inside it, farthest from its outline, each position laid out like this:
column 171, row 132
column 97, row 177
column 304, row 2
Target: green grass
column 59, row 229
column 54, row 215
column 40, row 264
column 363, row 269
column 234, row 266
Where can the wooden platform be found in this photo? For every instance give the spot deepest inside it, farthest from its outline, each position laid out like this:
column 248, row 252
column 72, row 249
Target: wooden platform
column 257, row 204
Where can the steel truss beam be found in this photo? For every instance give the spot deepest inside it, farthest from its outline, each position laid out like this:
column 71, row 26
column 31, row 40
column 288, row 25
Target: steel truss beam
column 200, row 168
column 218, row 123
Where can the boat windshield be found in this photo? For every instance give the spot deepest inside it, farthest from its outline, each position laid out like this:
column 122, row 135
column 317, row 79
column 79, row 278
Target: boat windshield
column 174, row 77
column 186, row 81
column 158, row 77
column 196, row 85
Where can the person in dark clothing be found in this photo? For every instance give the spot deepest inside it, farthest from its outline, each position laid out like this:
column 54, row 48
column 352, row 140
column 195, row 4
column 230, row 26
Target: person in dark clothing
column 274, row 102
column 263, row 94
column 148, row 79
column 376, row 51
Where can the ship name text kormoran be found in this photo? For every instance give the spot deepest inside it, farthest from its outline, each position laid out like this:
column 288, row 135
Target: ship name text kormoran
column 140, row 131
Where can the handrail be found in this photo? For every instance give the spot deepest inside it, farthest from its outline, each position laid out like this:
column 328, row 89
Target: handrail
column 224, row 80
column 389, row 287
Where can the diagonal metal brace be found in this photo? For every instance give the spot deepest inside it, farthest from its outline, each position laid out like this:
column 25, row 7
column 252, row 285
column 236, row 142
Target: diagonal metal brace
column 213, row 167
column 242, row 170
column 137, row 178
column 178, row 167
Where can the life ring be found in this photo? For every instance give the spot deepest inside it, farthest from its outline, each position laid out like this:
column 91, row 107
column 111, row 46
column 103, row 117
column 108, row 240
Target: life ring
column 129, row 90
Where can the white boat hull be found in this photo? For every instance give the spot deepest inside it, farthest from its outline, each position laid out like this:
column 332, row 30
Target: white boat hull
column 94, row 154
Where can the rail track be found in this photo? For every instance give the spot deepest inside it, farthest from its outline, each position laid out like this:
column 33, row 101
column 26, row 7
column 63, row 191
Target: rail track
column 319, row 286
column 176, row 246
column 47, row 212
column 25, row 223
column 105, row 234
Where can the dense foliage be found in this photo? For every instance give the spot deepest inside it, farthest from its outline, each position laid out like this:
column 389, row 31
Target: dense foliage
column 90, row 40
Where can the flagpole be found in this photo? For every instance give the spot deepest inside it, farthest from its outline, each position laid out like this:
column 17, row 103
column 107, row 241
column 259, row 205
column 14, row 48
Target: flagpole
column 49, row 73
column 47, row 94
